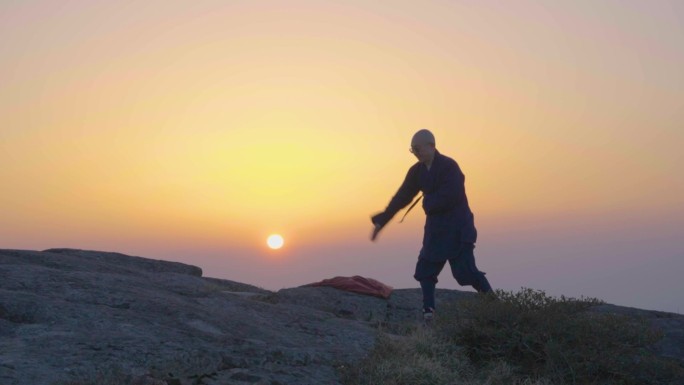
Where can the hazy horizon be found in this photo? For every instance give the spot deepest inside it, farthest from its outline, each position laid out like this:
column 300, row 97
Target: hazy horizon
column 192, row 131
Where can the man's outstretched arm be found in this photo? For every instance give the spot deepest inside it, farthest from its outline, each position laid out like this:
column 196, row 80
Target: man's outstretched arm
column 408, row 190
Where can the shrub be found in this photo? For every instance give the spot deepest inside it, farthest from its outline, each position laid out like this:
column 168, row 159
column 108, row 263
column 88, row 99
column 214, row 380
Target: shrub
column 524, row 338
column 557, row 339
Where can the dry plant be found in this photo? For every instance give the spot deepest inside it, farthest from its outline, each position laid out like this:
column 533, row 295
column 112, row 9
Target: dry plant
column 524, row 337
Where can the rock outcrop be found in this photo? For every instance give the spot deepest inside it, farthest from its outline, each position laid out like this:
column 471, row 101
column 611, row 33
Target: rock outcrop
column 86, row 317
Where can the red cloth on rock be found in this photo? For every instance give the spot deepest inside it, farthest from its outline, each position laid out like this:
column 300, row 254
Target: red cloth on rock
column 357, row 284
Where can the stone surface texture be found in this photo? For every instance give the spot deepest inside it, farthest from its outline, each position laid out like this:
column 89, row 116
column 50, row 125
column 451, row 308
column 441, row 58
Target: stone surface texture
column 88, row 317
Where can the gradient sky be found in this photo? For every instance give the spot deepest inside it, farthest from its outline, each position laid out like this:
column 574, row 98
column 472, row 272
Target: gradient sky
column 190, row 131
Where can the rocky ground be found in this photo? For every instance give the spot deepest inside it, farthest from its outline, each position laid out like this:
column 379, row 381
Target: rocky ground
column 71, row 317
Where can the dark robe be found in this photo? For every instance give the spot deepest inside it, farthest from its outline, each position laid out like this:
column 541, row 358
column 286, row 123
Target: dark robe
column 449, row 221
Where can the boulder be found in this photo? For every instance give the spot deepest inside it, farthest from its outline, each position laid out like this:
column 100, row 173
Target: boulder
column 77, row 317
column 83, row 317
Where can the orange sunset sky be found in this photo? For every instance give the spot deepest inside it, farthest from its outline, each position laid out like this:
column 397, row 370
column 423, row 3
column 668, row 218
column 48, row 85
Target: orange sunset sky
column 191, row 130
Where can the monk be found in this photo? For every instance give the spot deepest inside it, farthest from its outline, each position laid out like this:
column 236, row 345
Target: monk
column 450, row 232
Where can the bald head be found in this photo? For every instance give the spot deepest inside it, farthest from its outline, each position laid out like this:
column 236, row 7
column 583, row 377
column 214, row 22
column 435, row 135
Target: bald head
column 423, row 137
column 423, row 146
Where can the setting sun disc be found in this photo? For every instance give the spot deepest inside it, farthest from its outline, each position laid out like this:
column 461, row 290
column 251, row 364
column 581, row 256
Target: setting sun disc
column 275, row 241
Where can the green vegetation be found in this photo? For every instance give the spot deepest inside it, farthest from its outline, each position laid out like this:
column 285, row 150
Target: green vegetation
column 519, row 338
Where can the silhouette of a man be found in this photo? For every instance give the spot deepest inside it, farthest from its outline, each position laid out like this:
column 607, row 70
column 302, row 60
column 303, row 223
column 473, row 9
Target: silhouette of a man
column 450, row 232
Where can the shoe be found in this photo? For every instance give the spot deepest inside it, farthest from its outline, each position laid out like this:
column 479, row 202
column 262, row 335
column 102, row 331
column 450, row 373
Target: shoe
column 428, row 316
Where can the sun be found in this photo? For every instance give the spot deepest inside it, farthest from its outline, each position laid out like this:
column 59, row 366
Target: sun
column 275, row 241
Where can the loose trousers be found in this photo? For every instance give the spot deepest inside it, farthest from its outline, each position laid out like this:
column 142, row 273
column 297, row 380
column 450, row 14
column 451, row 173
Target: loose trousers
column 463, row 268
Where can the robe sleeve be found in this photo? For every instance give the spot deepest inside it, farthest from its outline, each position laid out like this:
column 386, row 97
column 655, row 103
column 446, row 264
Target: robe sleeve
column 407, row 191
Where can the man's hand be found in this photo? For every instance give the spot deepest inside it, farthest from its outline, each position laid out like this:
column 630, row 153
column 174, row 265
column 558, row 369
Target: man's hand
column 376, row 230
column 379, row 222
